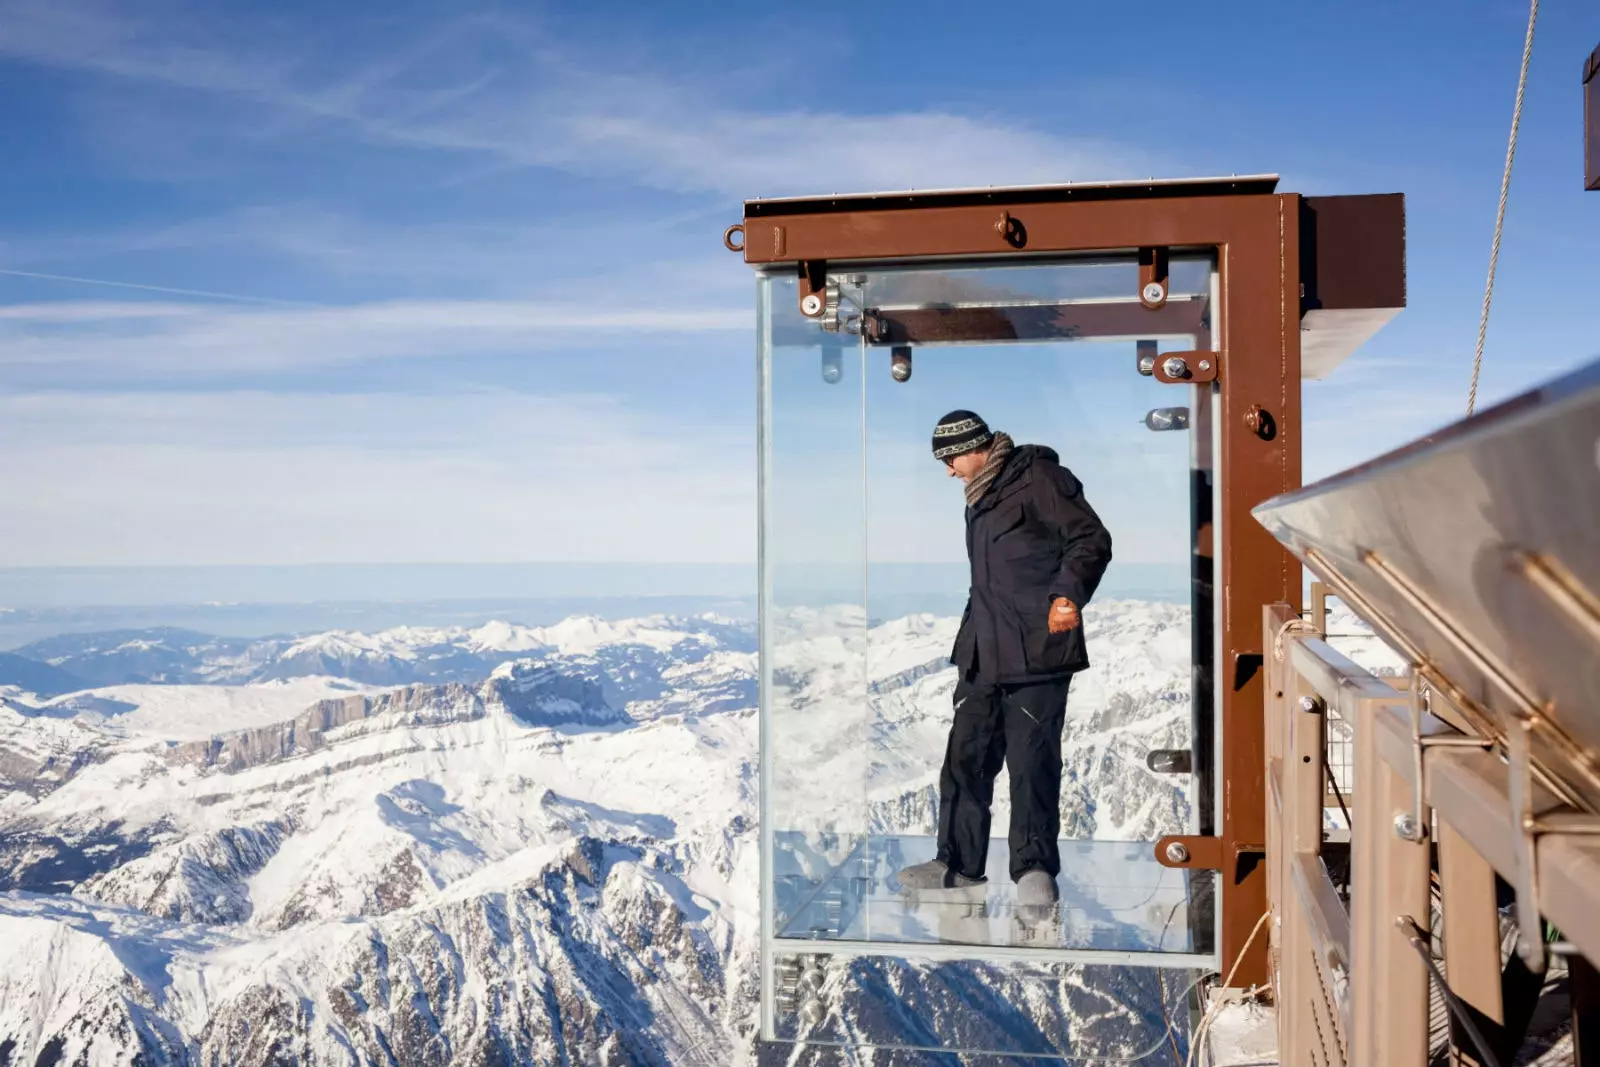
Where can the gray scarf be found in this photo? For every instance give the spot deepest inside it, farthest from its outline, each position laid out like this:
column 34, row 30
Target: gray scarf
column 999, row 452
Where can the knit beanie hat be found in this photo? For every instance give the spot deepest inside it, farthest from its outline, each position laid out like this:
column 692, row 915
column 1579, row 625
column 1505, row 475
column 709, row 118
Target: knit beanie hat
column 958, row 433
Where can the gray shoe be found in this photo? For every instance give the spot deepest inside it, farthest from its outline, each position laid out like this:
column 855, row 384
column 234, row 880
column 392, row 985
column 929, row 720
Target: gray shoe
column 1036, row 896
column 934, row 875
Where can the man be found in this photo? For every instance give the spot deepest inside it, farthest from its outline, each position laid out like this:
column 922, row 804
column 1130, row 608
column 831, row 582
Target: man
column 1037, row 552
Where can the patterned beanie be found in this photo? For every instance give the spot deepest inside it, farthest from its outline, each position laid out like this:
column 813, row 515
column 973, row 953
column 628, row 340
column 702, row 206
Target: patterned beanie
column 958, row 433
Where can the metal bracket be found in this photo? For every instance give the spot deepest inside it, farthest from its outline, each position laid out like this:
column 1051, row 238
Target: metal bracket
column 1525, row 876
column 1187, row 368
column 1184, row 851
column 1152, row 277
column 812, row 289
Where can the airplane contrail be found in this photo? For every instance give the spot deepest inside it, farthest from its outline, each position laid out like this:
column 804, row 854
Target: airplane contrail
column 156, row 288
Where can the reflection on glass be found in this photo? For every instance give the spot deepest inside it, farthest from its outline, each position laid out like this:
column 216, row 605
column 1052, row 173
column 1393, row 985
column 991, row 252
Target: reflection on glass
column 815, row 622
column 867, row 564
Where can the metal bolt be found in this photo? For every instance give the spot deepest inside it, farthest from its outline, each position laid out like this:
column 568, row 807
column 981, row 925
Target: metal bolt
column 811, row 304
column 1175, row 367
column 1154, row 293
column 1307, row 704
column 1167, row 418
column 1177, row 852
column 1205, row 364
column 900, row 363
column 813, row 1011
column 1405, row 826
column 1147, row 365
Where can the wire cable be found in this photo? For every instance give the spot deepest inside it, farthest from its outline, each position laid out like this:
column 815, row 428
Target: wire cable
column 1197, row 1038
column 1500, row 212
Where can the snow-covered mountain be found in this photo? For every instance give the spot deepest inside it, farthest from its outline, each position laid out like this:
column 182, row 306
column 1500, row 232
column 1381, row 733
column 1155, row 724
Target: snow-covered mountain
column 520, row 846
column 391, row 657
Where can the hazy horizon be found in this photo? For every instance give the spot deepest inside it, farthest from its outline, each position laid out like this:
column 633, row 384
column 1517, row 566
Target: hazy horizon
column 255, row 601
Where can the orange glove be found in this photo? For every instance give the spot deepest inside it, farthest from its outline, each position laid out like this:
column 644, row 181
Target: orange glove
column 1063, row 616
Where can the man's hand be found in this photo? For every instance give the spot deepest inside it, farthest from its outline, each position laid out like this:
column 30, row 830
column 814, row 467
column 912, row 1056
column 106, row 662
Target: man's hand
column 1063, row 615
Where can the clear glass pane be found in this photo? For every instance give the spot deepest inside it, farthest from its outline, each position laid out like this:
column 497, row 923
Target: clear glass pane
column 1076, row 1013
column 1049, row 354
column 814, row 623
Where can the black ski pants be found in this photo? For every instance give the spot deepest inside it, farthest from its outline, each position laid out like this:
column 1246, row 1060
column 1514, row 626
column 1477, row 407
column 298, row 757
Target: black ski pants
column 1019, row 727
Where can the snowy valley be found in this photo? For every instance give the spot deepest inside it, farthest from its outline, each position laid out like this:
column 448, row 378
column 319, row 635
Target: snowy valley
column 491, row 845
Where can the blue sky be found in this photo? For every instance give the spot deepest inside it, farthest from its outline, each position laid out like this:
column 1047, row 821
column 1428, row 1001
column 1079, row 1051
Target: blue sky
column 469, row 301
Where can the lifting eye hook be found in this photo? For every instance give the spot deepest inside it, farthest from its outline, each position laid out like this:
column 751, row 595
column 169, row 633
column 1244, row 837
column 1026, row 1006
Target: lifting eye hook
column 1011, row 230
column 727, row 237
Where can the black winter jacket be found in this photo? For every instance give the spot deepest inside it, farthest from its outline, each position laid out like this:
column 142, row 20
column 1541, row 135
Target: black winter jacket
column 1032, row 537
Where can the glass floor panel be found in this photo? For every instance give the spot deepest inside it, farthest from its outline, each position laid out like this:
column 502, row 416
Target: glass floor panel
column 1114, row 897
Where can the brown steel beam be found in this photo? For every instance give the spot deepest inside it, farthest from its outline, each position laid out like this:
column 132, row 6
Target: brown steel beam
column 1114, row 225
column 1353, row 252
column 1591, row 121
column 1038, row 322
column 1260, row 332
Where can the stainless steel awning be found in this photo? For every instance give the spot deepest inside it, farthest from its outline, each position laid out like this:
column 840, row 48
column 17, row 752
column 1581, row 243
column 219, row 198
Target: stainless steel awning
column 1476, row 550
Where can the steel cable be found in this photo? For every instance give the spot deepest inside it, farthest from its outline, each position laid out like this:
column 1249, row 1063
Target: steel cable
column 1500, row 212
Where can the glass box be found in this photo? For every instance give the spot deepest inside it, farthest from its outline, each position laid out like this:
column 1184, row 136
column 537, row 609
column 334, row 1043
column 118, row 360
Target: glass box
column 863, row 583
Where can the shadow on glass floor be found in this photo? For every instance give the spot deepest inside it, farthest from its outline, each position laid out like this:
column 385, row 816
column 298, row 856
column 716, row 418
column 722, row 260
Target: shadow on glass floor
column 1114, row 897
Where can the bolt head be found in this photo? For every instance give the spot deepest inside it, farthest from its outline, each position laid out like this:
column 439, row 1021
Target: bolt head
column 1154, row 293
column 1307, row 704
column 1176, row 852
column 813, row 1011
column 1147, row 365
column 811, row 304
column 1175, row 367
column 1405, row 826
column 1205, row 364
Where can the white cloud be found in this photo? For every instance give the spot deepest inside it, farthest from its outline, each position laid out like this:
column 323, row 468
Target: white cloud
column 226, row 478
column 492, row 89
column 166, row 338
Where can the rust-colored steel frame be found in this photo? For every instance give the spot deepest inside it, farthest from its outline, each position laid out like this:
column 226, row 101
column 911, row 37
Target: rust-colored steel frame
column 1591, row 121
column 1255, row 235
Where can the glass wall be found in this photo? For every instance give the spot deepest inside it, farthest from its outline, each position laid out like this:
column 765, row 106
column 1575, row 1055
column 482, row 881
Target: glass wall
column 866, row 576
column 815, row 627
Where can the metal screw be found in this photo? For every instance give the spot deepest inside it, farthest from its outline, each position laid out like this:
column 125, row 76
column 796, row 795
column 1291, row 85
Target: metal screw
column 1205, row 364
column 1307, row 704
column 1177, row 852
column 1154, row 293
column 811, row 304
column 1405, row 826
column 813, row 1011
column 1175, row 367
column 1147, row 365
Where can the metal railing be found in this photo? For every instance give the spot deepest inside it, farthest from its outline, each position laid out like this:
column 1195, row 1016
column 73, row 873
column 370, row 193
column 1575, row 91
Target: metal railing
column 1349, row 987
column 1364, row 930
